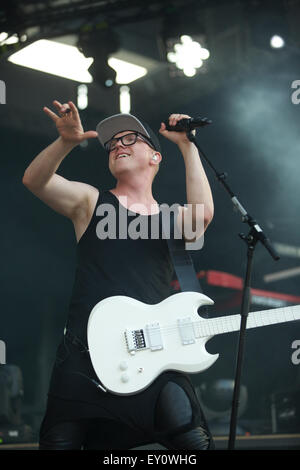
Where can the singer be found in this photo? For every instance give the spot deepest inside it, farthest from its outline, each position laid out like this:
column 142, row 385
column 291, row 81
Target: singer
column 80, row 414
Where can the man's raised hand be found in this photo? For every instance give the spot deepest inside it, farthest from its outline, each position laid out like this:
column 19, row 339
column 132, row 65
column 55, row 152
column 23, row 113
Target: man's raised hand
column 175, row 136
column 68, row 123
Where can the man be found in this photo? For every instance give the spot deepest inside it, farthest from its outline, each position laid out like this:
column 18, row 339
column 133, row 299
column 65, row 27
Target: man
column 80, row 413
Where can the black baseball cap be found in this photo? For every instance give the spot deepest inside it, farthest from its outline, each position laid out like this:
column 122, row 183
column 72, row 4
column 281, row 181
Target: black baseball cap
column 112, row 125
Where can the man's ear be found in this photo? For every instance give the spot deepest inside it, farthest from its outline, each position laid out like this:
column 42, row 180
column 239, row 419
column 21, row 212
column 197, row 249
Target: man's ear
column 157, row 157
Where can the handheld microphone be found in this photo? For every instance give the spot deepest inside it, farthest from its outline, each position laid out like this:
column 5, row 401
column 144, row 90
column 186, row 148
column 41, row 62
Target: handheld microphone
column 187, row 124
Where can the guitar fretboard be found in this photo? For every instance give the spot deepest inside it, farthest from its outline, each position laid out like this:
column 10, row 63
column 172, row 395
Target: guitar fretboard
column 226, row 324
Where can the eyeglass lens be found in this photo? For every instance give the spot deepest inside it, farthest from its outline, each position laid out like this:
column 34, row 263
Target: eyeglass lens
column 127, row 139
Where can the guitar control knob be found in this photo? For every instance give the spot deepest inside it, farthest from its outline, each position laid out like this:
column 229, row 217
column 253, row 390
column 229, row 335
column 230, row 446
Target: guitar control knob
column 125, row 378
column 123, row 365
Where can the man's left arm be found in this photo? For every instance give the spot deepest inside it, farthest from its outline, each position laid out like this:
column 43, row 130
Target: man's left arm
column 197, row 186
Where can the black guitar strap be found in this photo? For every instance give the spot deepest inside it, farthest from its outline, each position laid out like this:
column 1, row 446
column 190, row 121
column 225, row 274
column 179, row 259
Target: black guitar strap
column 182, row 261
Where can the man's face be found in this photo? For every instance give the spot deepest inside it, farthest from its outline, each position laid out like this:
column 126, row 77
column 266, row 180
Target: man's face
column 128, row 158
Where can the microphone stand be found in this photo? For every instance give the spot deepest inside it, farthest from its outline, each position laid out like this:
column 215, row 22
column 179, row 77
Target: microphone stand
column 255, row 234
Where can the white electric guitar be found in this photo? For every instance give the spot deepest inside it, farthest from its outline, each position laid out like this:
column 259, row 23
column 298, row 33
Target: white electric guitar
column 131, row 343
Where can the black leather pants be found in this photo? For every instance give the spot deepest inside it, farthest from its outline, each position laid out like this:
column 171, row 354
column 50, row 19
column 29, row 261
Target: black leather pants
column 173, row 428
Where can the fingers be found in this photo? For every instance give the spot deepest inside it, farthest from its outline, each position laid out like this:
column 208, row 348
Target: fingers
column 60, row 107
column 51, row 114
column 65, row 110
column 176, row 137
column 174, row 118
column 90, row 135
column 73, row 108
column 162, row 127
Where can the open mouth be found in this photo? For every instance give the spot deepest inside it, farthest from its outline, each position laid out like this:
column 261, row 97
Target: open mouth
column 122, row 155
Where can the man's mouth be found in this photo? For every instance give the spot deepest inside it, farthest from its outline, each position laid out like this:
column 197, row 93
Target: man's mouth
column 121, row 155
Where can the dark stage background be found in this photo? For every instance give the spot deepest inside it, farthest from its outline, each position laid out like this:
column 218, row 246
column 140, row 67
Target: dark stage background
column 246, row 92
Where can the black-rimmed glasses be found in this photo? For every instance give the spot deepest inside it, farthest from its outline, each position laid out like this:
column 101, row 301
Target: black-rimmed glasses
column 127, row 140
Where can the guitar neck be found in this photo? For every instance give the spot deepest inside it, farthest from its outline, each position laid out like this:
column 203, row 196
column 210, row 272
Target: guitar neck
column 227, row 324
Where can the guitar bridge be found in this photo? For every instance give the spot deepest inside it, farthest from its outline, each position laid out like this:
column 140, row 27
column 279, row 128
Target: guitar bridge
column 135, row 340
column 150, row 338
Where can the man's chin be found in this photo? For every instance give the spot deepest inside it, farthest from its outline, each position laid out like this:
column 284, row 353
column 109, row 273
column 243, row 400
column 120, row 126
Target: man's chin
column 121, row 171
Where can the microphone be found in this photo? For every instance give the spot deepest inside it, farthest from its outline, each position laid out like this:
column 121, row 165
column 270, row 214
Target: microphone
column 187, row 124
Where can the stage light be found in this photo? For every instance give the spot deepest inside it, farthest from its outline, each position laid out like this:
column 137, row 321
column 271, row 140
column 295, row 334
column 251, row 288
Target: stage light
column 183, row 43
column 8, row 40
column 125, row 99
column 54, row 58
column 82, row 96
column 269, row 29
column 3, row 36
column 126, row 72
column 64, row 60
column 277, row 42
column 188, row 55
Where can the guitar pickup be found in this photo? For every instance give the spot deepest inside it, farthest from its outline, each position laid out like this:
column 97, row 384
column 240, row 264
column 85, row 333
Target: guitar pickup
column 154, row 336
column 186, row 330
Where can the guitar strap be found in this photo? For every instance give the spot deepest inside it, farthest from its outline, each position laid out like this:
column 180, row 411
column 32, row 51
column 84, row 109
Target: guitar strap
column 182, row 261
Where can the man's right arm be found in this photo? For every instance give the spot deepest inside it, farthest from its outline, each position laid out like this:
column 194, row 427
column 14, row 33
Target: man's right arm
column 69, row 198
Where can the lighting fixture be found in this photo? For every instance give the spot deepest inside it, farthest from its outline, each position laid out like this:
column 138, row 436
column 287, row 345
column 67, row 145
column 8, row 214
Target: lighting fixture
column 67, row 61
column 188, row 55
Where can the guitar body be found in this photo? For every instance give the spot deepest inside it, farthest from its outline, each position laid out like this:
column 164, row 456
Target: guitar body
column 132, row 343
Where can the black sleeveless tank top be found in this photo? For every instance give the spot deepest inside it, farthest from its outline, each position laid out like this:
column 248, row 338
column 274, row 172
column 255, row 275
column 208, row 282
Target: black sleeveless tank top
column 139, row 268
